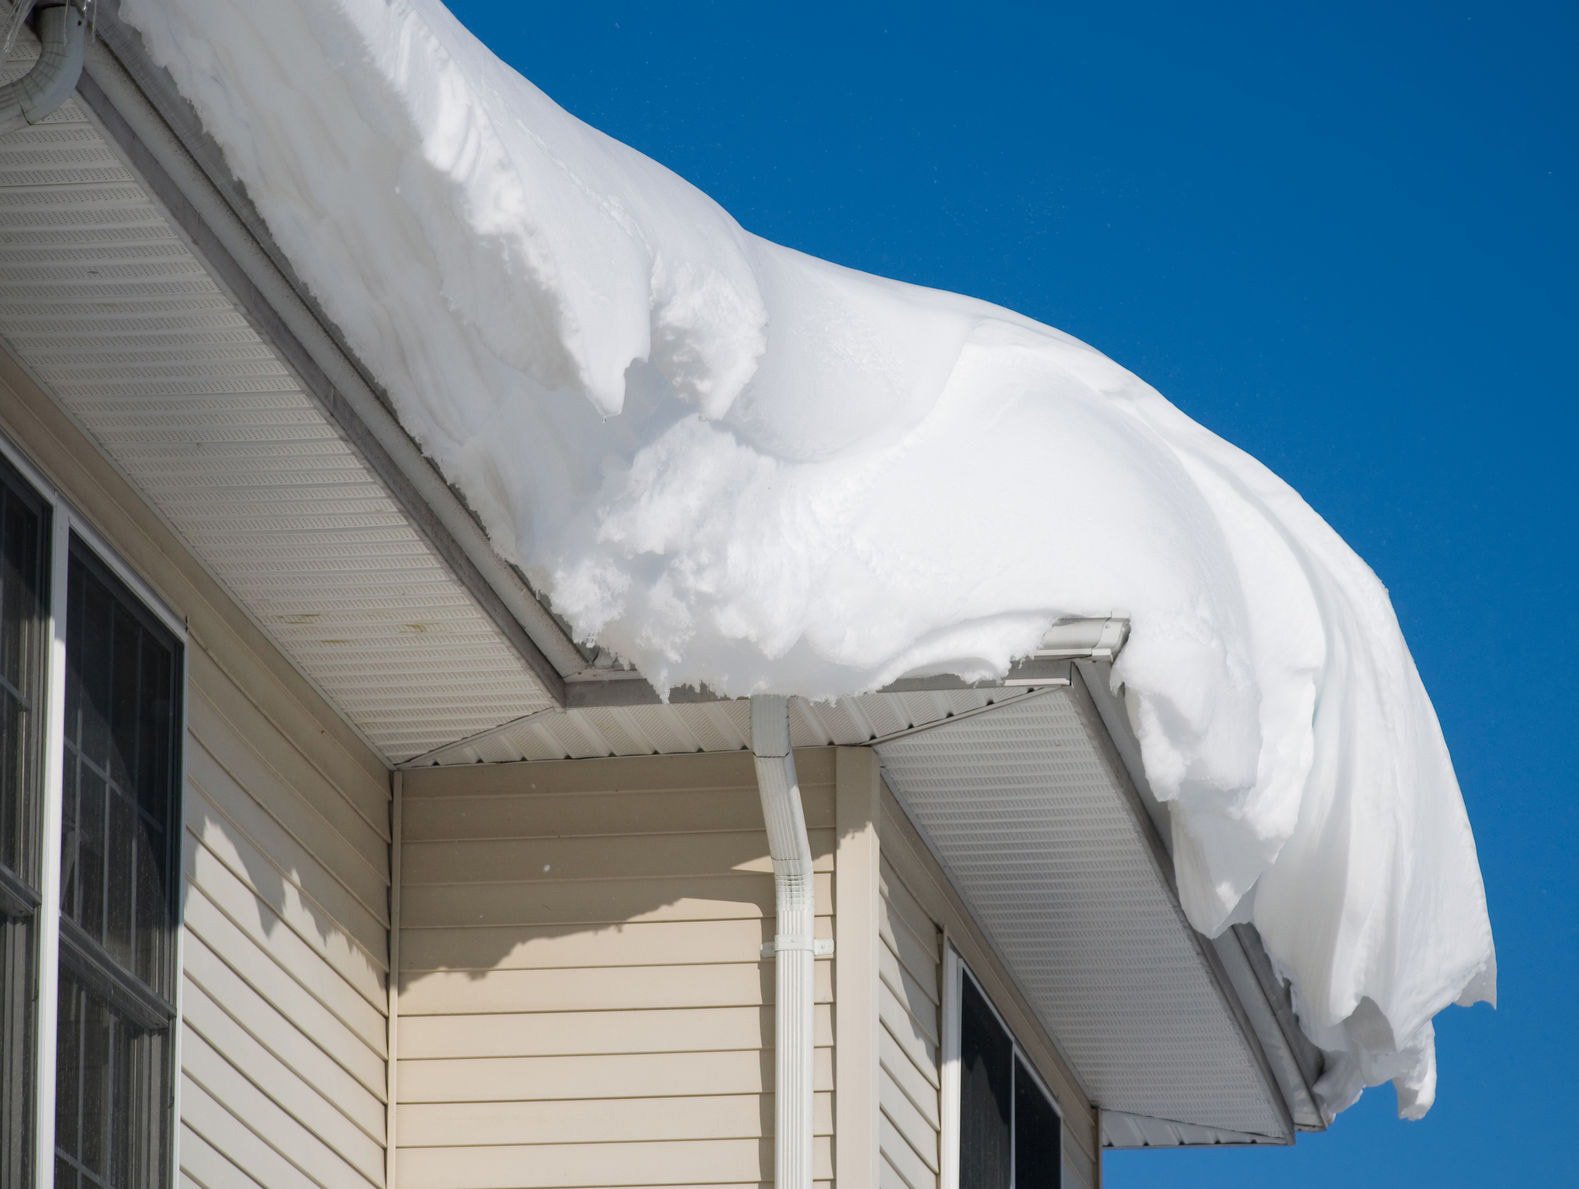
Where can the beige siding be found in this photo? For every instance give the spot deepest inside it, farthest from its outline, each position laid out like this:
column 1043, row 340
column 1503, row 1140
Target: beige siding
column 583, row 1000
column 909, row 993
column 286, row 935
column 286, row 863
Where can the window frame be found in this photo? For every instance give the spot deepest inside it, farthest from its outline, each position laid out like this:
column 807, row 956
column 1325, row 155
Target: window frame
column 65, row 523
column 955, row 972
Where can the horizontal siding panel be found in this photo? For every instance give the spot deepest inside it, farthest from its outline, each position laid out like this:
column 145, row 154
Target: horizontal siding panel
column 606, row 1166
column 1079, row 1170
column 918, row 1132
column 301, row 993
column 888, row 1177
column 313, row 811
column 914, row 1034
column 737, row 984
column 321, row 1051
column 563, row 1034
column 909, row 990
column 902, row 1158
column 330, row 964
column 697, row 897
column 360, row 943
column 583, row 1121
column 298, row 1098
column 584, row 1001
column 204, row 1165
column 906, row 986
column 341, row 776
column 428, row 819
column 917, row 1084
column 613, row 1076
column 527, row 861
column 517, row 947
column 327, row 866
column 920, row 959
column 901, row 903
column 311, row 1158
column 622, row 774
column 234, row 1141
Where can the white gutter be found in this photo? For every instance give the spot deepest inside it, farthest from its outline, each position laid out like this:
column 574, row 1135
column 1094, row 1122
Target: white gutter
column 62, row 35
column 794, row 945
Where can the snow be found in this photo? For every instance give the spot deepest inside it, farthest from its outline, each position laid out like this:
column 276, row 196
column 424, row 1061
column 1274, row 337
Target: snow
column 737, row 465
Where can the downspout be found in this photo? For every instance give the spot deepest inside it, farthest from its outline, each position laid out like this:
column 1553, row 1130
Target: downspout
column 794, row 945
column 63, row 35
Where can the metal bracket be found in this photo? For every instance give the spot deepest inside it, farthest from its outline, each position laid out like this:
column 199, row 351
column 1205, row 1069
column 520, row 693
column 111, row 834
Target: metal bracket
column 822, row 947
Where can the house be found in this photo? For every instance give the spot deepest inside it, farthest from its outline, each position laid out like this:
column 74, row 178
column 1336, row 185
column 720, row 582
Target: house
column 327, row 855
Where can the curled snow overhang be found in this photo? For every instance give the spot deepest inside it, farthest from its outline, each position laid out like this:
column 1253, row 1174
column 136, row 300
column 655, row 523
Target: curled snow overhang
column 729, row 463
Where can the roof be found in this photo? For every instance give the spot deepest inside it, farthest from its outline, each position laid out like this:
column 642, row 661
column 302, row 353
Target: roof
column 295, row 482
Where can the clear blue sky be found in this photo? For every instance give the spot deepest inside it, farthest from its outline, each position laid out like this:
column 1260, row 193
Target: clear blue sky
column 1343, row 236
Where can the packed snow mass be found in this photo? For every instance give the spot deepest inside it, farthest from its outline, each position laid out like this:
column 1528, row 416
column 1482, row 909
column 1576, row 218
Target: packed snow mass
column 736, row 465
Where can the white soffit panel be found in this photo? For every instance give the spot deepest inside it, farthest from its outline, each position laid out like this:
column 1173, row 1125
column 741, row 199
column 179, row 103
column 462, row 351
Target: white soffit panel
column 1029, row 816
column 108, row 306
column 684, row 727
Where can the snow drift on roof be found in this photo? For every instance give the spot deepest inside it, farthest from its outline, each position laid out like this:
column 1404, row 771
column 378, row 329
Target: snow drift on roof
column 737, row 465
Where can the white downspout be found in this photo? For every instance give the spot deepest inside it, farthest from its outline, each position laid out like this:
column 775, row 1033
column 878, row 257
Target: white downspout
column 62, row 35
column 794, row 944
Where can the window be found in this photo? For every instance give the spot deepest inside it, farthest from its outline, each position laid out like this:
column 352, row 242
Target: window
column 90, row 728
column 1002, row 1130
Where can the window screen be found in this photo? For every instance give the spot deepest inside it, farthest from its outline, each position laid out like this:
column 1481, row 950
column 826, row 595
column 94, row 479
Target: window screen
column 986, row 1055
column 1009, row 1131
column 1036, row 1148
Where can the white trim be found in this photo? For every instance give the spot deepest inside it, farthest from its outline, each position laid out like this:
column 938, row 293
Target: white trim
column 49, row 852
column 948, row 1140
column 177, row 1025
column 955, row 971
column 397, row 831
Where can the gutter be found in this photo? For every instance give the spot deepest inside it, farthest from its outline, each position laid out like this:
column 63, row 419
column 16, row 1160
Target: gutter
column 62, row 35
column 794, row 946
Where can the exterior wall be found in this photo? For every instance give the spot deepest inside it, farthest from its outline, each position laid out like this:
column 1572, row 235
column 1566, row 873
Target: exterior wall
column 582, row 994
column 919, row 915
column 286, row 868
column 909, row 1012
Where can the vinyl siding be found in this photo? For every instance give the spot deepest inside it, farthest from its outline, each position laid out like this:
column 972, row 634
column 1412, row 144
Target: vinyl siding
column 286, row 937
column 583, row 1000
column 285, row 868
column 909, row 990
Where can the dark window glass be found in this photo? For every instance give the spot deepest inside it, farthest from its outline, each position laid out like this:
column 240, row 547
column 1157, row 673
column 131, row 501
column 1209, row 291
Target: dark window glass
column 118, row 877
column 1036, row 1146
column 24, row 601
column 985, row 1080
column 1009, row 1130
column 119, row 885
column 17, row 993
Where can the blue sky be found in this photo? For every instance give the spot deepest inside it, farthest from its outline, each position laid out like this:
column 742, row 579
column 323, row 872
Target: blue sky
column 1343, row 237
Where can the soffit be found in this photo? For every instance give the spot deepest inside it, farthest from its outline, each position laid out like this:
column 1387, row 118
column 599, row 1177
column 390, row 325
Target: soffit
column 109, row 307
column 1030, row 814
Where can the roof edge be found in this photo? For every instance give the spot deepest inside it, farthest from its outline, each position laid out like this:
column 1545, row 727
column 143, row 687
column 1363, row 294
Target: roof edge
column 143, row 114
column 1244, row 969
